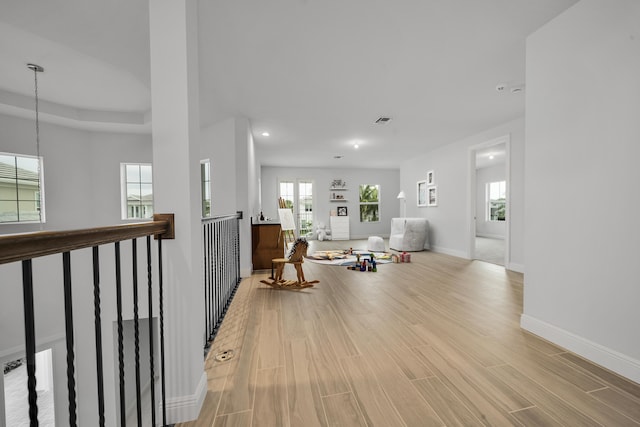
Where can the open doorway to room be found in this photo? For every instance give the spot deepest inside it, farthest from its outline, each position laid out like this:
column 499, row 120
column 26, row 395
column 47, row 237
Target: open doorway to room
column 489, row 202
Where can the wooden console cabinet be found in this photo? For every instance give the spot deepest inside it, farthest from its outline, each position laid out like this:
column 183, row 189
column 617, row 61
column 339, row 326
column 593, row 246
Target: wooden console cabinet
column 267, row 243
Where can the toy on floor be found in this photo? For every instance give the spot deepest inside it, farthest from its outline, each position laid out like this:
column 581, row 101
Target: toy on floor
column 295, row 257
column 322, row 232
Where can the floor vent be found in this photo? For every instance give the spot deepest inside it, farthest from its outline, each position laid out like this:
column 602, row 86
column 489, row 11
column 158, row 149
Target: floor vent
column 223, row 356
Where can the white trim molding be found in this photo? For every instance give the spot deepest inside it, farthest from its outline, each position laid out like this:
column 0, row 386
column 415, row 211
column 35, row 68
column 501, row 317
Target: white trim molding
column 447, row 251
column 518, row 268
column 604, row 356
column 187, row 408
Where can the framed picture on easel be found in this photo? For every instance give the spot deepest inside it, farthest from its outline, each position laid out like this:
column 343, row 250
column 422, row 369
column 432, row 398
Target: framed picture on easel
column 342, row 211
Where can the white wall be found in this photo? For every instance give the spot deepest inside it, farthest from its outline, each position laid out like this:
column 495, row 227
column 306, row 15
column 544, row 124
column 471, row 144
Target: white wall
column 234, row 177
column 582, row 175
column 218, row 145
column 388, row 179
column 246, row 182
column 81, row 171
column 449, row 221
column 484, row 228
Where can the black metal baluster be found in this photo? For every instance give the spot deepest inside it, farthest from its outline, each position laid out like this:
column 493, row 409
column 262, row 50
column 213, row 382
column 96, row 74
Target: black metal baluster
column 219, row 277
column 98, row 332
column 227, row 270
column 151, row 349
column 205, row 252
column 30, row 339
column 136, row 327
column 237, row 250
column 123, row 407
column 212, row 280
column 162, row 370
column 225, row 282
column 68, row 321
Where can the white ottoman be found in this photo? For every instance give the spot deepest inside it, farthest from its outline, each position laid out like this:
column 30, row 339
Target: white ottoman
column 375, row 244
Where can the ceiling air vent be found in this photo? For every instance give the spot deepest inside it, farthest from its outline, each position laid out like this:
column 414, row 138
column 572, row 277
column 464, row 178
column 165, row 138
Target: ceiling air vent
column 382, row 120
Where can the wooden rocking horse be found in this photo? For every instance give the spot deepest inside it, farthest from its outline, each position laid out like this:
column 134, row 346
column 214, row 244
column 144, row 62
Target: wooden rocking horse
column 295, row 257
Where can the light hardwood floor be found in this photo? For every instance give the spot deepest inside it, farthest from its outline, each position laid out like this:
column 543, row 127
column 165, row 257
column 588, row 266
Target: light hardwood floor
column 435, row 342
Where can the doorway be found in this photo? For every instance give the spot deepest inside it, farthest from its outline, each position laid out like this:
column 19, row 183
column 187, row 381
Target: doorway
column 489, row 201
column 298, row 195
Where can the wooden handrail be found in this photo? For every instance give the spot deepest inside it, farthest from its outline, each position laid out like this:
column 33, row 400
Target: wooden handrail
column 19, row 247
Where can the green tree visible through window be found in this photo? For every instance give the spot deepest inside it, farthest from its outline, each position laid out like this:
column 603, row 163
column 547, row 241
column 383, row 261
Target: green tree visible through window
column 496, row 201
column 369, row 203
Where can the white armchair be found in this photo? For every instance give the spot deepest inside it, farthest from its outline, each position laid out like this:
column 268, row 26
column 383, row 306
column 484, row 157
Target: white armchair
column 409, row 234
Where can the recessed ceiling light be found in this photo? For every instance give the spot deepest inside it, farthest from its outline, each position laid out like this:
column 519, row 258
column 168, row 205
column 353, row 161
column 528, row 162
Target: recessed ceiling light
column 265, row 133
column 356, row 146
column 490, row 156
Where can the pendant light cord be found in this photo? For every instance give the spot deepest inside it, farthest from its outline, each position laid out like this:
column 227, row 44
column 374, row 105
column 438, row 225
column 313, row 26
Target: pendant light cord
column 38, row 69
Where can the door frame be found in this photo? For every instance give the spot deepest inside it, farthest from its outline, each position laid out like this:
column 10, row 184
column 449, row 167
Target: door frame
column 472, row 199
column 296, row 197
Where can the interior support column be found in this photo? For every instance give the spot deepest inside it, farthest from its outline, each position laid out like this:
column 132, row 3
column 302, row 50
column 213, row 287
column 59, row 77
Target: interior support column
column 176, row 183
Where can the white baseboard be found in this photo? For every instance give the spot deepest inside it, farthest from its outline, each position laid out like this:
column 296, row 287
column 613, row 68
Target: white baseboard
column 519, row 268
column 617, row 362
column 490, row 236
column 366, row 236
column 448, row 251
column 187, row 408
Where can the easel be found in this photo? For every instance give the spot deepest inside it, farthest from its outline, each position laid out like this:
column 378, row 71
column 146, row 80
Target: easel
column 287, row 225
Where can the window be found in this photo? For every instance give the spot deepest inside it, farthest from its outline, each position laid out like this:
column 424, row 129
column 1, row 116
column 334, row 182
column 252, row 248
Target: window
column 21, row 189
column 137, row 191
column 305, row 207
column 496, row 200
column 205, row 186
column 369, row 203
column 286, row 193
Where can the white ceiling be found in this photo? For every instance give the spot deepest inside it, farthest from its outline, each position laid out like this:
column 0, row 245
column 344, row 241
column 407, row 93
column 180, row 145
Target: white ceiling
column 315, row 74
column 491, row 156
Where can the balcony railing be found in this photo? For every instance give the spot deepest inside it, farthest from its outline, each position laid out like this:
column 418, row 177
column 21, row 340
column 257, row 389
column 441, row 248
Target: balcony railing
column 25, row 248
column 221, row 250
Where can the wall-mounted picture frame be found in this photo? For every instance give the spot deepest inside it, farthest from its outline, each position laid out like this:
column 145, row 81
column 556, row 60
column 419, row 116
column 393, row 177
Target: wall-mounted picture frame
column 432, row 195
column 342, row 211
column 422, row 193
column 431, row 179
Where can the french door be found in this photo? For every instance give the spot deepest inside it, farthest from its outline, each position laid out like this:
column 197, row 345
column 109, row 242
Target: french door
column 298, row 196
